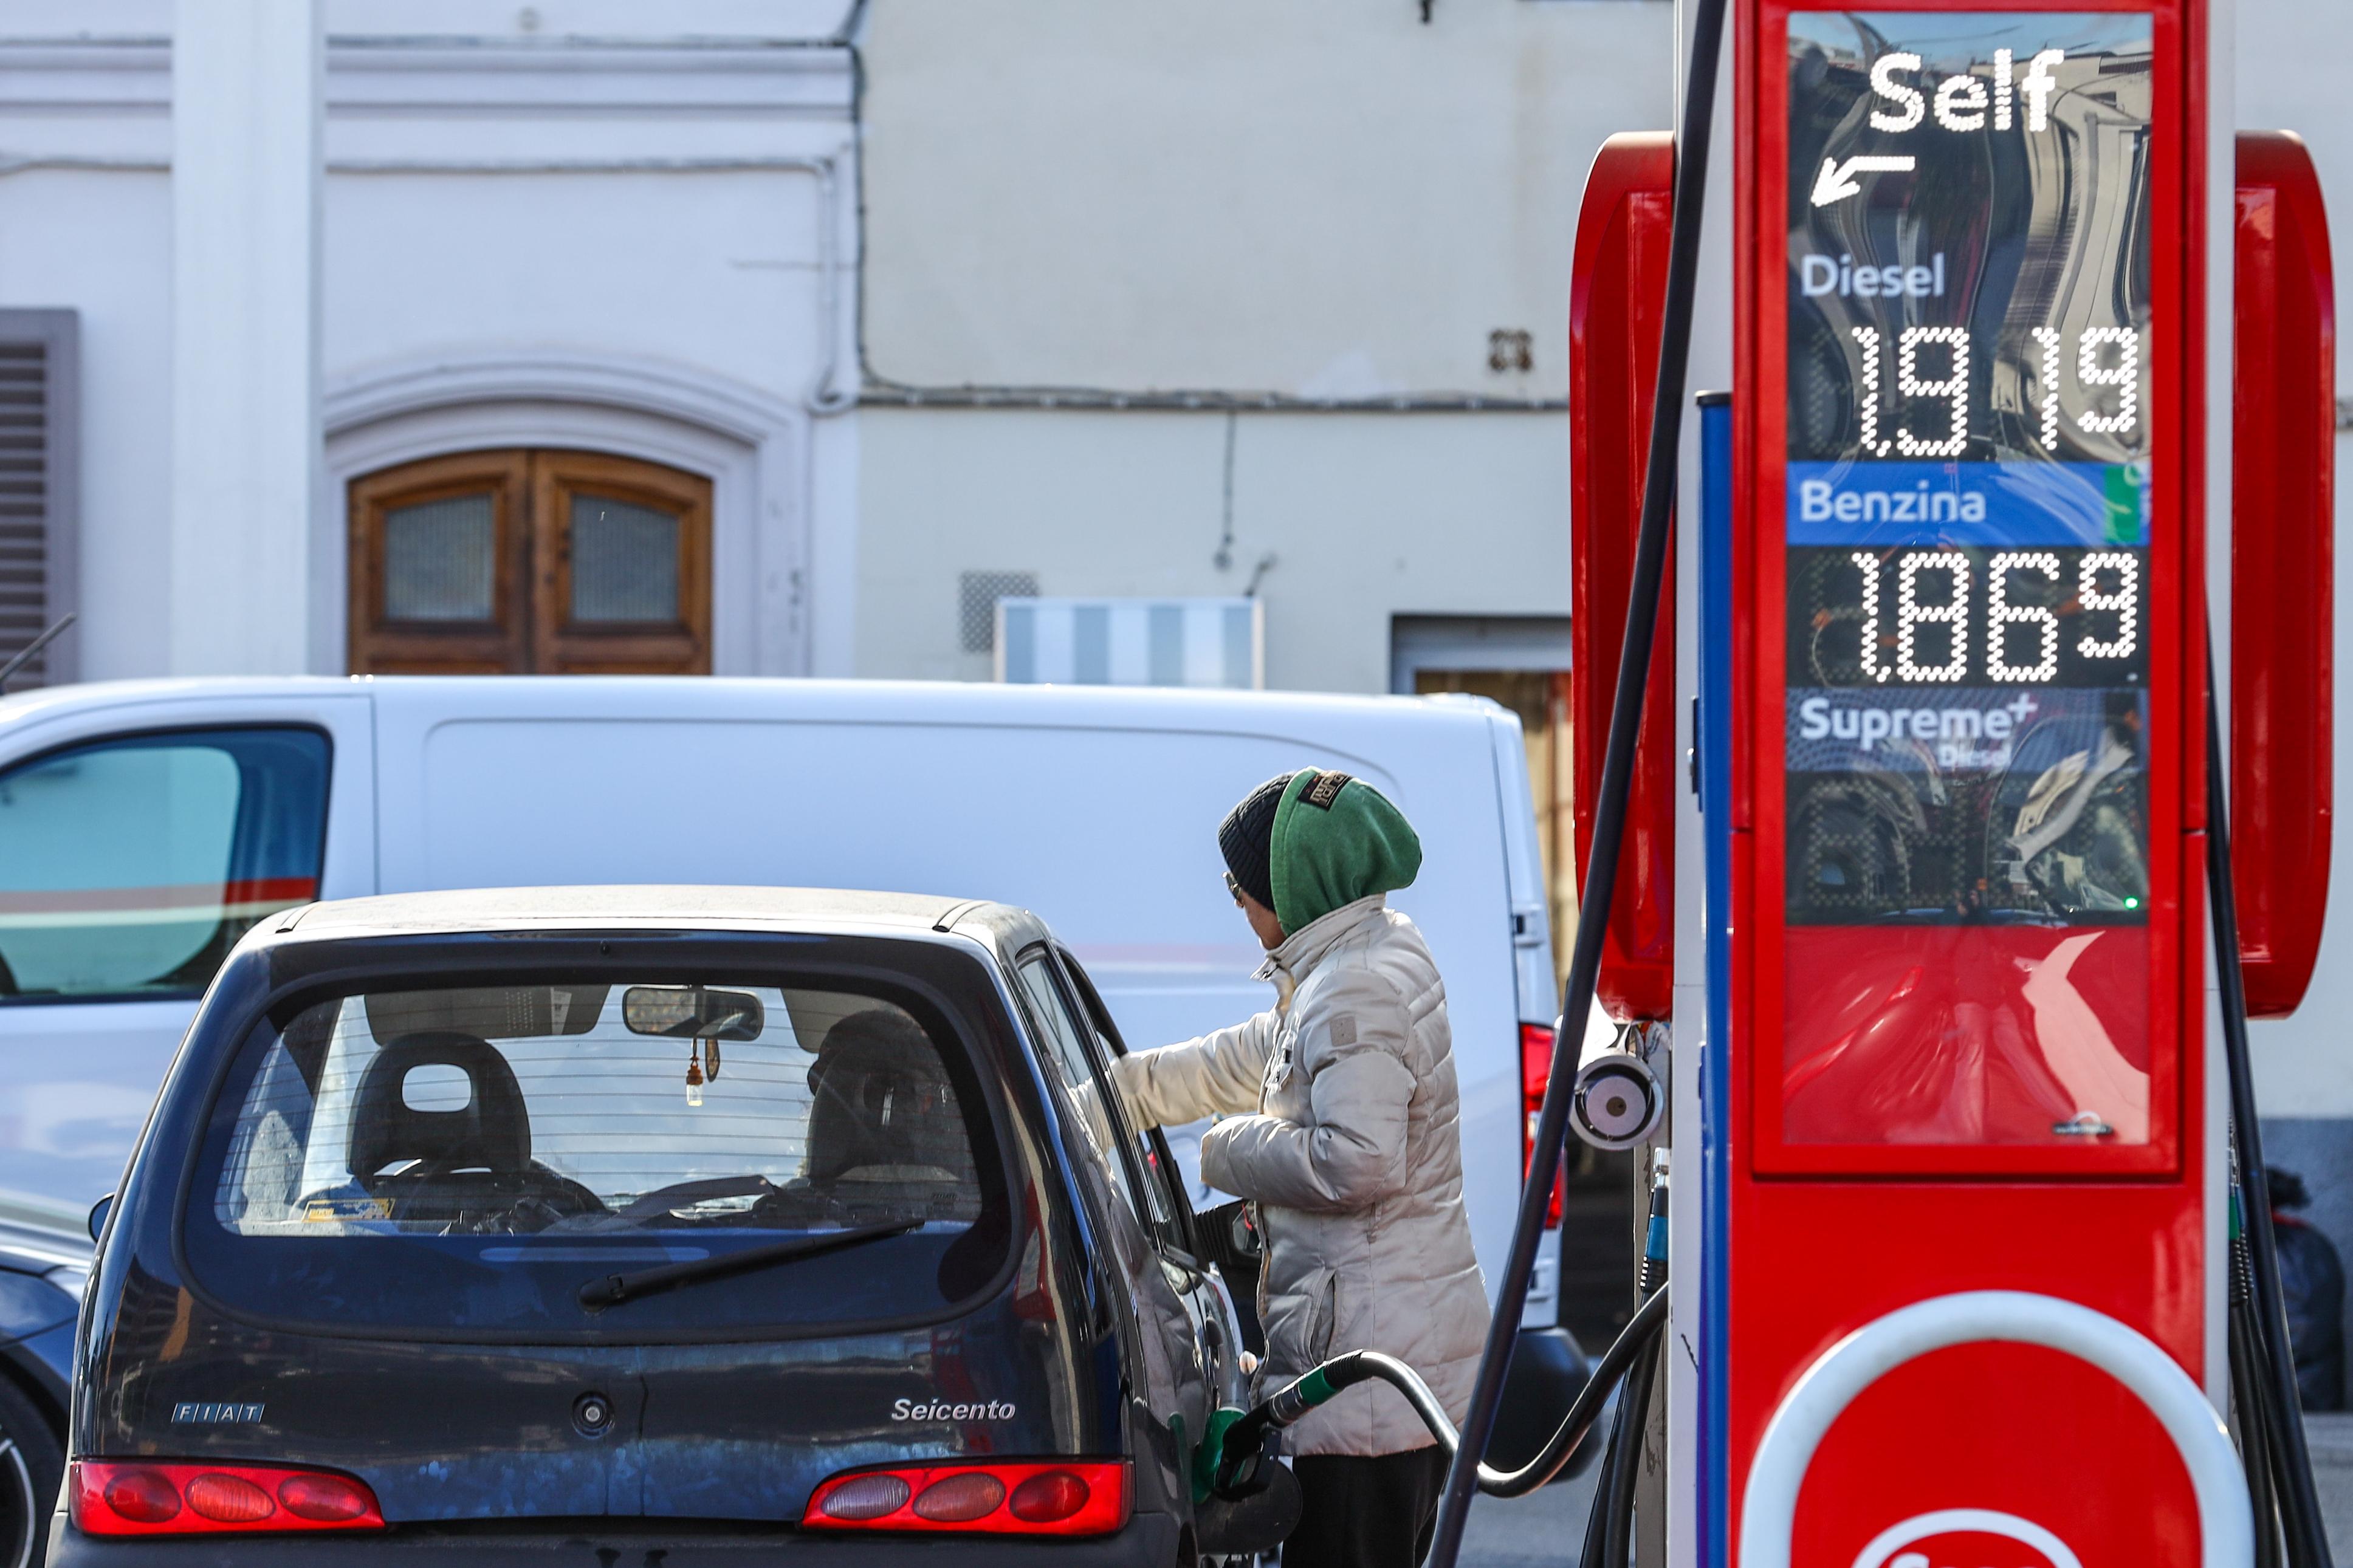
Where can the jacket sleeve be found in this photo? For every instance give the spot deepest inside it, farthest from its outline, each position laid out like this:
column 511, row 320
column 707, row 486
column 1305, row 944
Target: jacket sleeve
column 1217, row 1075
column 1355, row 1154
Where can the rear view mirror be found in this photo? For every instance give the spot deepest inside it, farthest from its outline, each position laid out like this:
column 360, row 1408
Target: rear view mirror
column 692, row 1013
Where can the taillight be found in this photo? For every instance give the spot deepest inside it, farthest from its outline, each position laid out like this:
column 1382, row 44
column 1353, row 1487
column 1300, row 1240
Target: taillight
column 137, row 1496
column 1080, row 1497
column 1535, row 1072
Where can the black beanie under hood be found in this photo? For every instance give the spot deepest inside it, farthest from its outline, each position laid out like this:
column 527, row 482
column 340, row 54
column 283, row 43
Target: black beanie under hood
column 1246, row 839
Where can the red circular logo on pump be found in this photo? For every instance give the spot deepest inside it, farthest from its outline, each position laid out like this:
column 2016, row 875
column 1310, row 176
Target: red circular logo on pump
column 1966, row 1537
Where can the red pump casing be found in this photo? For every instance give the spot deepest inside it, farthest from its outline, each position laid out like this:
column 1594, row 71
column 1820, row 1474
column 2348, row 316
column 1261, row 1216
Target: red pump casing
column 1617, row 301
column 2284, row 518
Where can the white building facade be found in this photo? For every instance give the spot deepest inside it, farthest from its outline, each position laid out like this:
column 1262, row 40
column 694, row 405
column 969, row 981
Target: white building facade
column 932, row 297
column 528, row 238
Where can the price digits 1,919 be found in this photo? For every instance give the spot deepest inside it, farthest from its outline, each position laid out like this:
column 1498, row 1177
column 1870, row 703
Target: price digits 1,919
column 2107, row 368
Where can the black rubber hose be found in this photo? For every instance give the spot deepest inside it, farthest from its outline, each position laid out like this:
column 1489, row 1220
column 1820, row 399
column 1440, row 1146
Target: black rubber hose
column 1648, row 1326
column 1600, row 881
column 1596, row 1549
column 2299, row 1502
column 2252, row 1416
column 2254, row 1424
column 1626, row 1448
column 1302, row 1393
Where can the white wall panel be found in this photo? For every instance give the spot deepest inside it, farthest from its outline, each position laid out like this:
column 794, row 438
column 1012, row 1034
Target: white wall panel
column 1322, row 198
column 1366, row 515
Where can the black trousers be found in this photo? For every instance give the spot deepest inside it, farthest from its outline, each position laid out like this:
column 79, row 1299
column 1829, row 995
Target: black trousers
column 1378, row 1513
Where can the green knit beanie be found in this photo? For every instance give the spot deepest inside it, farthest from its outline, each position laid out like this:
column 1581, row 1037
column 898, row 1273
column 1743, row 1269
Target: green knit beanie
column 1336, row 839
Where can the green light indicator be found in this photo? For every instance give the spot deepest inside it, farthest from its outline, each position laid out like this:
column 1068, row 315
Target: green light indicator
column 2132, row 903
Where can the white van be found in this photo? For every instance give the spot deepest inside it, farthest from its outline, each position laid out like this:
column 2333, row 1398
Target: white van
column 144, row 825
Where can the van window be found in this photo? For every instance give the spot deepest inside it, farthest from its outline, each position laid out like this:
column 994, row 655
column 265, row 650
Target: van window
column 130, row 866
column 469, row 1158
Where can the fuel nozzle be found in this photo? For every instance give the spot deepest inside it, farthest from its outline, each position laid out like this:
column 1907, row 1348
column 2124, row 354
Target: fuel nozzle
column 1654, row 1237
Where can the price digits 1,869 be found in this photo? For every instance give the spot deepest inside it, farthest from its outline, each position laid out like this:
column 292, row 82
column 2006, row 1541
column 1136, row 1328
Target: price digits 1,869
column 1948, row 615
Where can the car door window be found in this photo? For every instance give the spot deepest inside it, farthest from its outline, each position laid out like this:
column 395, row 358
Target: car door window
column 1065, row 1040
column 1156, row 1166
column 130, row 867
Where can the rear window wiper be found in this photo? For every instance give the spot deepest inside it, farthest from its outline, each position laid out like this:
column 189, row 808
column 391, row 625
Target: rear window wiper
column 616, row 1288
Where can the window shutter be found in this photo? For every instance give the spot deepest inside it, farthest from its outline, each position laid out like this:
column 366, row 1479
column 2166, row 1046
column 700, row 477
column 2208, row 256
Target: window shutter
column 40, row 490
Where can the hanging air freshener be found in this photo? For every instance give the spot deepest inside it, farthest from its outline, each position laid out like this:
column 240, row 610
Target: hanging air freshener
column 693, row 1080
column 711, row 1059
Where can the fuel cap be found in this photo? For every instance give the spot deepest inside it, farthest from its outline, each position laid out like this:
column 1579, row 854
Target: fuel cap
column 592, row 1415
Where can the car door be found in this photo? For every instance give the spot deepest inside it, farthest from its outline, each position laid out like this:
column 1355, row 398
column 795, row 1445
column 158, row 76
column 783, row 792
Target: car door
column 1172, row 1367
column 1206, row 1294
column 138, row 841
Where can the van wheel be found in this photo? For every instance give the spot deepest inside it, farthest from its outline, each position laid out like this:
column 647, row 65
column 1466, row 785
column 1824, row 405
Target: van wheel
column 32, row 1462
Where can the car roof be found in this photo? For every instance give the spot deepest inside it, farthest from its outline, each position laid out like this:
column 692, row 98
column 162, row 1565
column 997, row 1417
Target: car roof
column 668, row 907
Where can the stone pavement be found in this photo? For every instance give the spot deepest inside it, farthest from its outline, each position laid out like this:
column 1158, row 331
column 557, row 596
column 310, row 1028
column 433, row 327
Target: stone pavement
column 2330, row 1437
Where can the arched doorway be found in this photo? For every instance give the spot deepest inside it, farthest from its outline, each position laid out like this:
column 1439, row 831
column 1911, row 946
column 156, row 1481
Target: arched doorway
column 530, row 561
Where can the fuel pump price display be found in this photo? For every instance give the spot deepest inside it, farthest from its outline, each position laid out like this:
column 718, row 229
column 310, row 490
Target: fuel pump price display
column 1967, row 500
column 1966, row 522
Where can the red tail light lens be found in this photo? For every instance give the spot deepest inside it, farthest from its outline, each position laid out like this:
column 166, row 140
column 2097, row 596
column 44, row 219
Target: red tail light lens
column 228, row 1499
column 1081, row 1496
column 119, row 1497
column 1042, row 1500
column 1536, row 1072
column 324, row 1499
column 143, row 1497
column 960, row 1499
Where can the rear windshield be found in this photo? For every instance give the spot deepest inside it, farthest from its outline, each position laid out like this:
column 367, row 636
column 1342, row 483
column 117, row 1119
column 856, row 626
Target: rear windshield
column 721, row 1155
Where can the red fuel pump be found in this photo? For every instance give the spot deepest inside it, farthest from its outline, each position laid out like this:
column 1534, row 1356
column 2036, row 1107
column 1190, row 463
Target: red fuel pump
column 1962, row 1283
column 1966, row 804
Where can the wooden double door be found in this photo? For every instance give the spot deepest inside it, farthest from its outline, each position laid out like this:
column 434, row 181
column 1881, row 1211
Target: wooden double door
column 531, row 561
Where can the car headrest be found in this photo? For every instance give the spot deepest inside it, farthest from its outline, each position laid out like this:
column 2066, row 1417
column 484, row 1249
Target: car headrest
column 881, row 1097
column 491, row 1131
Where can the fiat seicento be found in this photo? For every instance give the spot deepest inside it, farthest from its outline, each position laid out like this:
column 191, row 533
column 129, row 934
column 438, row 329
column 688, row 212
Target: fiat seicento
column 642, row 1225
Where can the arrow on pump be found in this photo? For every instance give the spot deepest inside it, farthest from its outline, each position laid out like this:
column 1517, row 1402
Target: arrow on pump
column 1837, row 182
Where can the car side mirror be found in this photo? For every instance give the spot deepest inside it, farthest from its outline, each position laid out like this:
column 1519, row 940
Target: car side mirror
column 97, row 1213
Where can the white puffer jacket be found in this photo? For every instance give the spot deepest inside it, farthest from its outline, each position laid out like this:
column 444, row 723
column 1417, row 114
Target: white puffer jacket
column 1342, row 1129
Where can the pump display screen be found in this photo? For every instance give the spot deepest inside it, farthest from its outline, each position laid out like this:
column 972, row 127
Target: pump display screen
column 1967, row 531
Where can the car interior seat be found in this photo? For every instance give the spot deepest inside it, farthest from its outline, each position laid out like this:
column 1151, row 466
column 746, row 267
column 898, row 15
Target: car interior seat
column 468, row 1168
column 490, row 1132
column 886, row 1131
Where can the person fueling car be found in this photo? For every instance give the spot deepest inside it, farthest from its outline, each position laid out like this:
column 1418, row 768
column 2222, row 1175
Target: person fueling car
column 1338, row 1123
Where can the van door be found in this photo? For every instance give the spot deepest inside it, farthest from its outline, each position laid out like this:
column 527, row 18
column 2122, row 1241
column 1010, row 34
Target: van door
column 137, row 844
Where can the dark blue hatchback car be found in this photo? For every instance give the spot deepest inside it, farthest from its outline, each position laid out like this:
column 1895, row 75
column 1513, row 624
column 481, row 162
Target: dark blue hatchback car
column 645, row 1226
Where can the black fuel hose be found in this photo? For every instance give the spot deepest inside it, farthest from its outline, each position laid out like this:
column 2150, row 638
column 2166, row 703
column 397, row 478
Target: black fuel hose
column 1612, row 1520
column 2253, row 1417
column 2269, row 1395
column 1600, row 883
column 1633, row 1349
